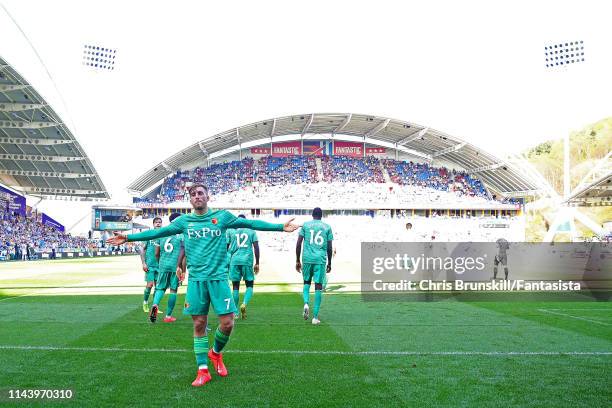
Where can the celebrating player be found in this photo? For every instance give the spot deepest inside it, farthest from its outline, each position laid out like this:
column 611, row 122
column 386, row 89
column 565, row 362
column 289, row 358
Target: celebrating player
column 317, row 238
column 241, row 263
column 149, row 255
column 206, row 253
column 170, row 249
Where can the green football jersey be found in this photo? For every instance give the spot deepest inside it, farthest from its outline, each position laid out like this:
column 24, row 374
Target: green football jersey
column 241, row 246
column 150, row 258
column 169, row 252
column 205, row 241
column 316, row 233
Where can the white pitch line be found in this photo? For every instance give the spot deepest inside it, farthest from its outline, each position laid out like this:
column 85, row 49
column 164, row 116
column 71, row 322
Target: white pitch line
column 323, row 352
column 573, row 317
column 607, row 309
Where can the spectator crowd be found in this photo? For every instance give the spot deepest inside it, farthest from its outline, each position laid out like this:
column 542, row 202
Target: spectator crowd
column 22, row 238
column 268, row 171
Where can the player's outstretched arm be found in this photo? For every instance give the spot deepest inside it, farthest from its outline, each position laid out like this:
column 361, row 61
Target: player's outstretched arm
column 259, row 225
column 169, row 230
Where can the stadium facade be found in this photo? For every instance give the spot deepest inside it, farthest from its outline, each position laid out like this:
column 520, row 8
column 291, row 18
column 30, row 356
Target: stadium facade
column 324, row 135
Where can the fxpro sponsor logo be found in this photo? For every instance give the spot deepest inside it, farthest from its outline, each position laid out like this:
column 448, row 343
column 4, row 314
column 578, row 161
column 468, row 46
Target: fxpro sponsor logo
column 204, row 232
column 414, row 264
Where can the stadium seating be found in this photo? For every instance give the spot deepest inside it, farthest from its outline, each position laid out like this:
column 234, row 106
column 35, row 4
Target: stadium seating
column 23, row 238
column 438, row 178
column 350, row 169
column 376, row 180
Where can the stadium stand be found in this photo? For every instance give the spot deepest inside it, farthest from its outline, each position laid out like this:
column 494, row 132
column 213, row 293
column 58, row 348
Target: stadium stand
column 421, row 174
column 343, row 177
column 22, row 238
column 350, row 169
column 27, row 238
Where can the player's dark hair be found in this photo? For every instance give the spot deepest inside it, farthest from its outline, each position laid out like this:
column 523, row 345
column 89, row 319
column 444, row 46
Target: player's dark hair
column 241, row 216
column 157, row 218
column 174, row 216
column 196, row 185
column 317, row 213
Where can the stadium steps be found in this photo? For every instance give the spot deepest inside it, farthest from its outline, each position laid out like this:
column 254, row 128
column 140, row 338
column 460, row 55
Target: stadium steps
column 319, row 169
column 385, row 173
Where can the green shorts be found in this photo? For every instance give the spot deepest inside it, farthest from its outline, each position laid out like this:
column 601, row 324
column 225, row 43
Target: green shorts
column 315, row 272
column 151, row 276
column 167, row 279
column 240, row 272
column 200, row 294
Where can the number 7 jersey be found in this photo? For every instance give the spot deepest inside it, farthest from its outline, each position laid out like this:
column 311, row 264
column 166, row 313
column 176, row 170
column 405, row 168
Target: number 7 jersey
column 316, row 234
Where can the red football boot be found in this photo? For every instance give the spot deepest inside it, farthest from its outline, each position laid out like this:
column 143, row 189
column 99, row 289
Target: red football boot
column 169, row 319
column 202, row 378
column 217, row 360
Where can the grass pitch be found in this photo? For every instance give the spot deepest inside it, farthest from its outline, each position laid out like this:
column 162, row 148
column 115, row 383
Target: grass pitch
column 91, row 336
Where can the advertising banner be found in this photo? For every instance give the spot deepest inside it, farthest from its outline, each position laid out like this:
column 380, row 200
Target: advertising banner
column 46, row 220
column 376, row 150
column 15, row 202
column 286, row 149
column 351, row 149
column 260, row 150
column 317, row 147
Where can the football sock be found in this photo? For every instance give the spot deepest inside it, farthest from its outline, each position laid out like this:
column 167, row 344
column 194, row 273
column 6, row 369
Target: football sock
column 236, row 296
column 247, row 296
column 159, row 294
column 147, row 292
column 318, row 298
column 495, row 273
column 200, row 348
column 221, row 340
column 306, row 292
column 171, row 303
column 506, row 273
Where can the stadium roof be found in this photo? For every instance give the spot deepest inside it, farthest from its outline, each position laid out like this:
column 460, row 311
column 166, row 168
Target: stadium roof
column 38, row 153
column 411, row 138
column 598, row 193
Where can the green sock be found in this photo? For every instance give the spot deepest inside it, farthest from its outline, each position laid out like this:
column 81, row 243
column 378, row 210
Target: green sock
column 318, row 296
column 200, row 348
column 147, row 293
column 306, row 293
column 236, row 296
column 171, row 303
column 248, row 295
column 221, row 340
column 159, row 294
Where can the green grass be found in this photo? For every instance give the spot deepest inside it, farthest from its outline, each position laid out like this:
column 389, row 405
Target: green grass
column 108, row 353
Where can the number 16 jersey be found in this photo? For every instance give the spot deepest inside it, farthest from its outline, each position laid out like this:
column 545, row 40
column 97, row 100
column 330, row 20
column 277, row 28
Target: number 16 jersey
column 316, row 234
